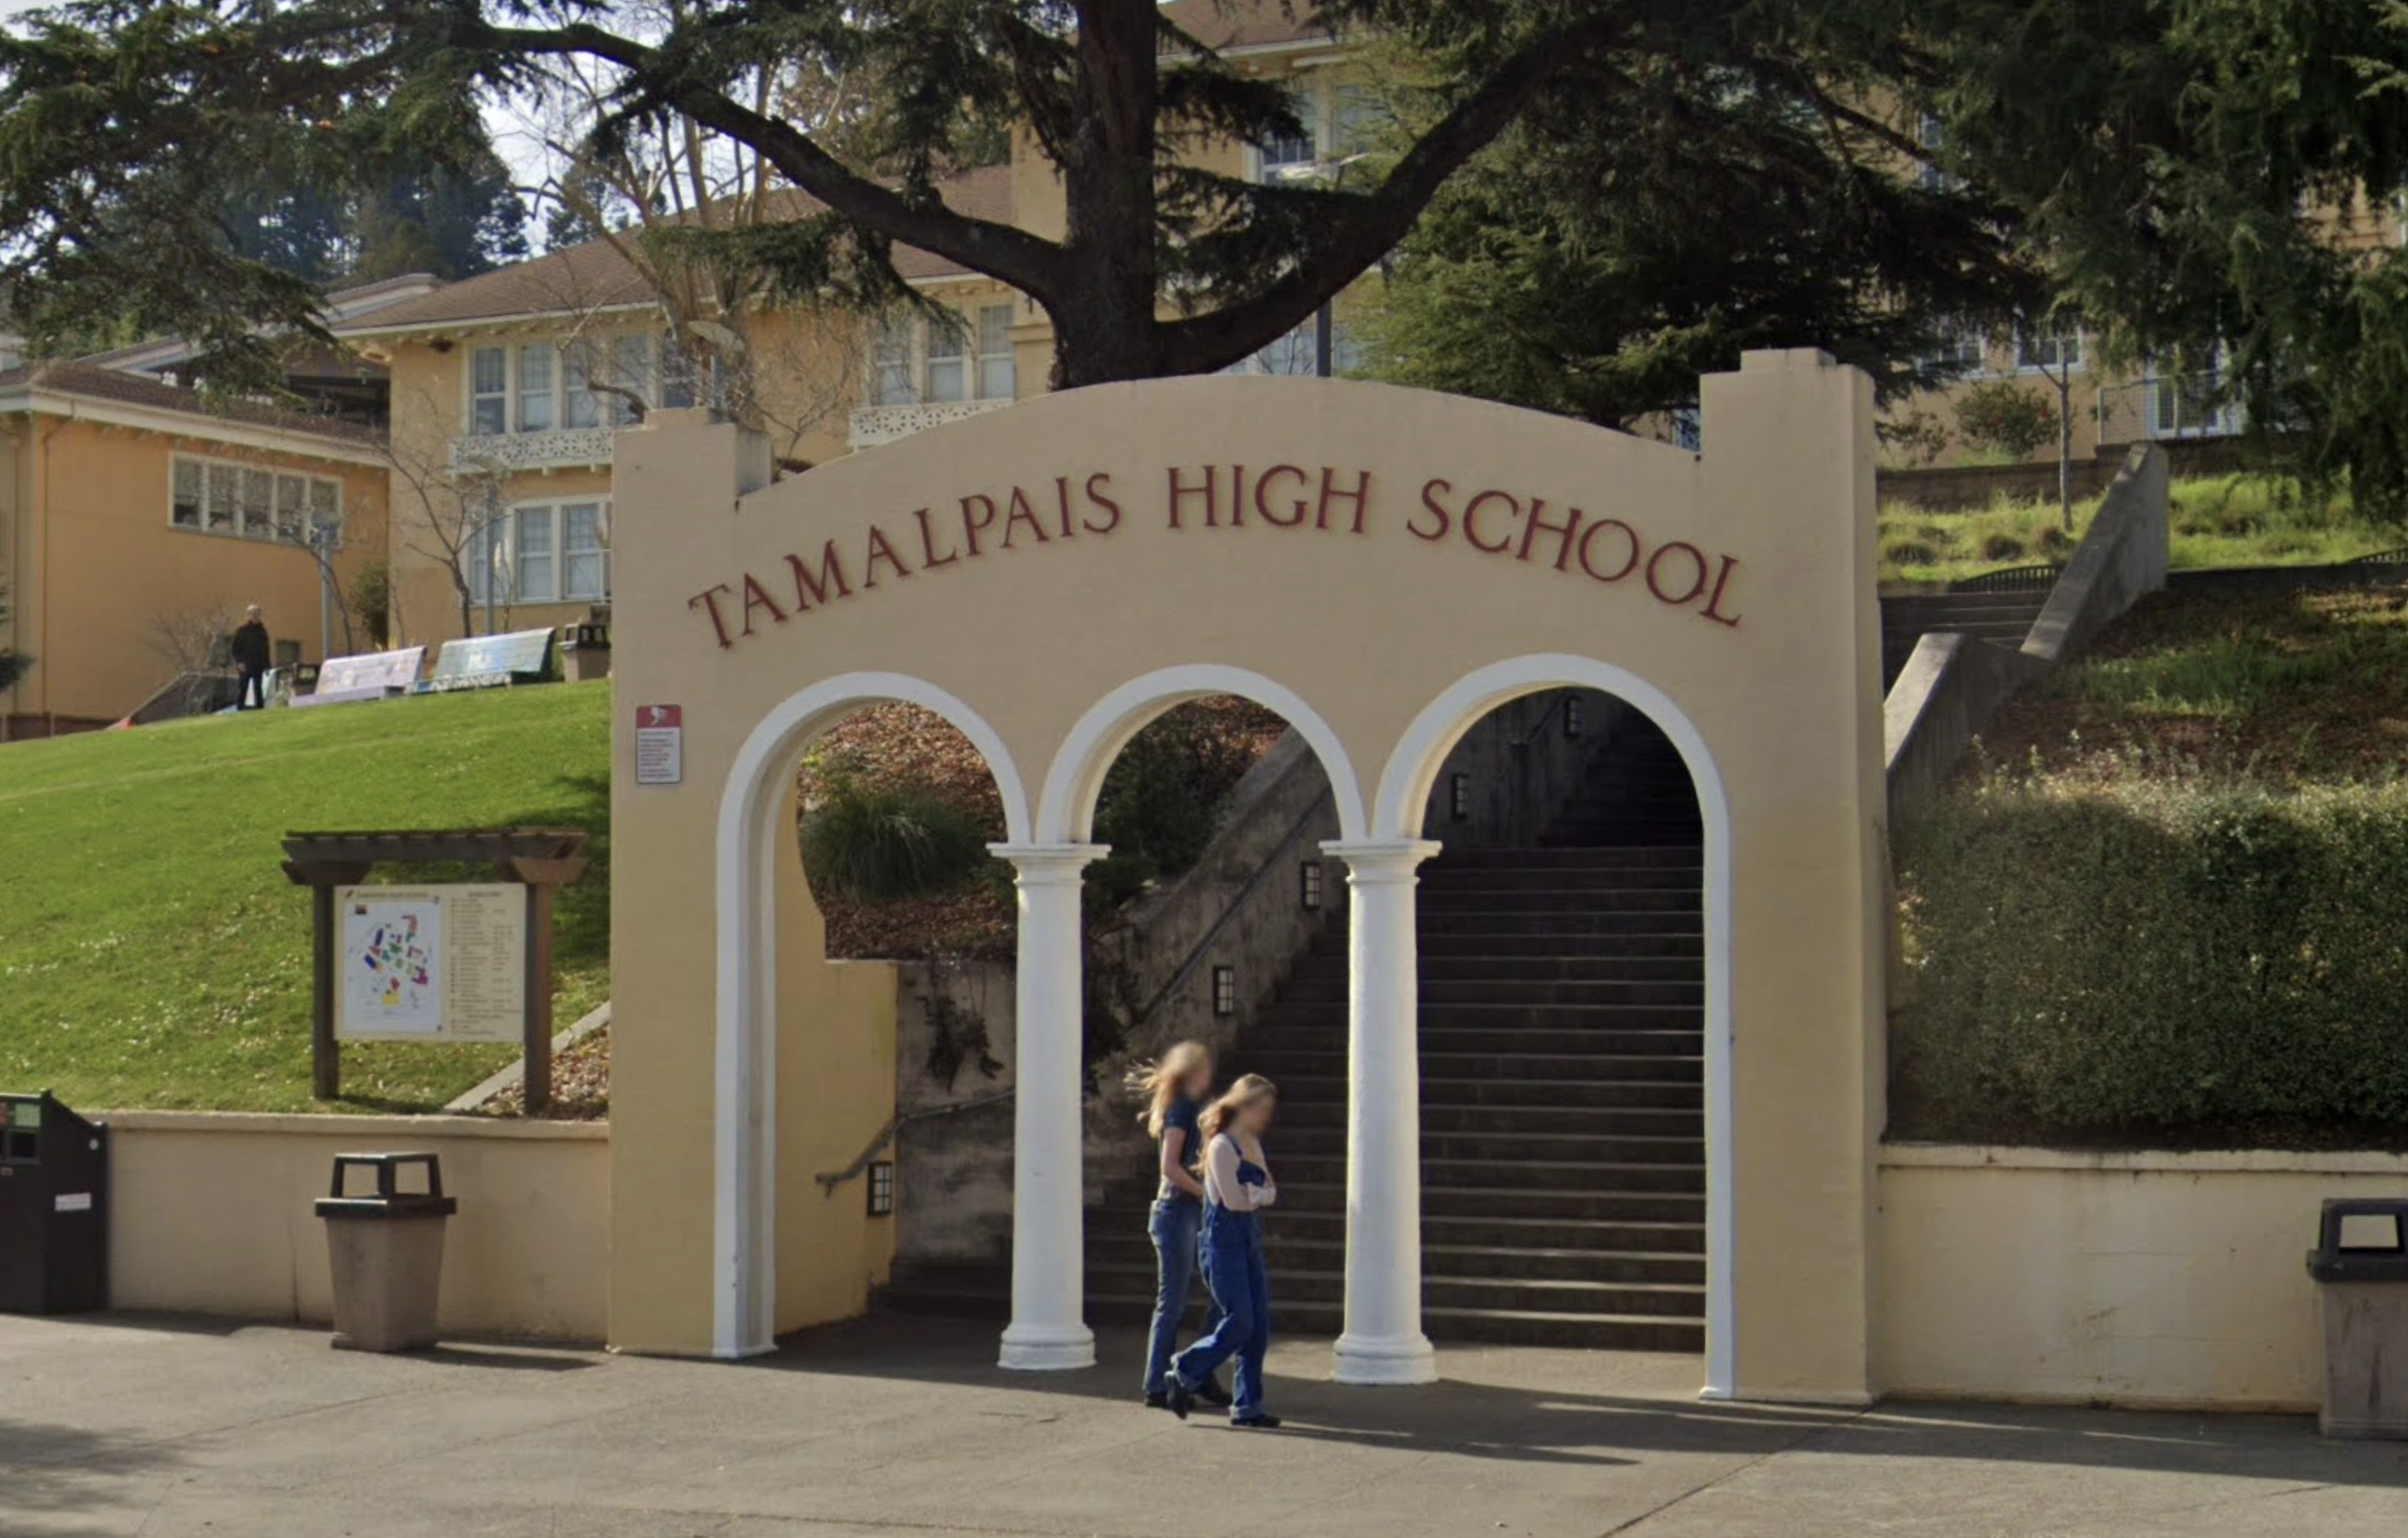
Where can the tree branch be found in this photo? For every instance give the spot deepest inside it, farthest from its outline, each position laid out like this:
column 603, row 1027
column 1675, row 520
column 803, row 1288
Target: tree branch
column 1378, row 220
column 1001, row 251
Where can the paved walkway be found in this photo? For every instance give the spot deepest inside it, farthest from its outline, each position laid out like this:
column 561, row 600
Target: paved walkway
column 172, row 1429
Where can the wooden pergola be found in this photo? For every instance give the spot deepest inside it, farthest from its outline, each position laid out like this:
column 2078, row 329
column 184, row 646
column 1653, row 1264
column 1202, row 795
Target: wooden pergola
column 541, row 859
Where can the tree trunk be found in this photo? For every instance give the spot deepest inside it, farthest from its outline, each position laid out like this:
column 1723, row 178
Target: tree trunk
column 1105, row 324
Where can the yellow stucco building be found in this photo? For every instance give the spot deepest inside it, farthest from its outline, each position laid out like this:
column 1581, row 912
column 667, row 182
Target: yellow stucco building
column 136, row 523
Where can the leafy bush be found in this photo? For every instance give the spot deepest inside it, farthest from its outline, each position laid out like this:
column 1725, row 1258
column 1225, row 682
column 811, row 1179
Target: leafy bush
column 2165, row 961
column 1162, row 797
column 2002, row 415
column 2001, row 546
column 874, row 839
column 371, row 598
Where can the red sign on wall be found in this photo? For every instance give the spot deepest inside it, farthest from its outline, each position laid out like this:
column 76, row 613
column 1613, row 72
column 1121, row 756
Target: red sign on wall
column 660, row 744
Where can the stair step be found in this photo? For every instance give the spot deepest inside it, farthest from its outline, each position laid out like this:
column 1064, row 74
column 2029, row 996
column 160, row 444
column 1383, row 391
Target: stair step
column 1512, row 1201
column 1666, row 857
column 1449, row 1068
column 1565, row 878
column 1573, row 1177
column 1539, row 945
column 1329, row 1087
column 1549, row 1147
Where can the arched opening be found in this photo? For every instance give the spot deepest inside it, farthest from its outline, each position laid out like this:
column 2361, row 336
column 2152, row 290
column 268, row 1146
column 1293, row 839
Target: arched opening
column 1573, row 989
column 784, row 1119
column 1208, row 788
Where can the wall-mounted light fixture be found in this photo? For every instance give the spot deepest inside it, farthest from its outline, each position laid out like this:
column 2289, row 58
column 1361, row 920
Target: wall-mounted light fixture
column 1459, row 798
column 881, row 1187
column 1309, row 883
column 1224, row 990
column 1575, row 715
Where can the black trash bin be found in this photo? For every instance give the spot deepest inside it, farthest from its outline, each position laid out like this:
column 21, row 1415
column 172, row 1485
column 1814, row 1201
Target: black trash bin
column 54, row 1208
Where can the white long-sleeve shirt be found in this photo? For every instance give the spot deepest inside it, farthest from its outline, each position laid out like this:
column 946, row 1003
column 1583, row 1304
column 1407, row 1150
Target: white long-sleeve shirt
column 1221, row 1161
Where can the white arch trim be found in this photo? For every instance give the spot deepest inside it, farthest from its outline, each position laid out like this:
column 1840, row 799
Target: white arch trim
column 1403, row 797
column 1067, row 809
column 744, row 1099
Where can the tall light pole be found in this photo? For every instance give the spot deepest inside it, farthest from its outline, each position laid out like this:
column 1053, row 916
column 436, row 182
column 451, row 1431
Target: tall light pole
column 1332, row 175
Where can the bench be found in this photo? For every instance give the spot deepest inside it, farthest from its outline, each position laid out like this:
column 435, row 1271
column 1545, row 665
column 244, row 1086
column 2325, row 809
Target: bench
column 489, row 662
column 376, row 675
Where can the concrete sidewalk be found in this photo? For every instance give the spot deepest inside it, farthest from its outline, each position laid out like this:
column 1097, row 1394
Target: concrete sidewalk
column 169, row 1428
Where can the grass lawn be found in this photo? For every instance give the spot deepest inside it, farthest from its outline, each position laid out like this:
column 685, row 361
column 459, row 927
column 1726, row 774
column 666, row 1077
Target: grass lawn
column 2278, row 690
column 2217, row 521
column 153, row 955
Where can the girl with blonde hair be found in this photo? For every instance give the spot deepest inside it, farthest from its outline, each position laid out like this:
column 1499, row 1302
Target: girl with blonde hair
column 1237, row 1184
column 1173, row 1091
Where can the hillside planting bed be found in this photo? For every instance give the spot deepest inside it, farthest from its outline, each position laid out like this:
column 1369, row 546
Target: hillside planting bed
column 2168, row 905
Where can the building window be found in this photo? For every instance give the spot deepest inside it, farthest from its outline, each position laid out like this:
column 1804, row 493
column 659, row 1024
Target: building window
column 543, row 552
column 581, row 383
column 1961, row 354
column 1931, row 136
column 999, row 373
column 1298, row 354
column 489, row 391
column 891, row 382
column 250, row 502
column 2054, row 352
column 913, row 360
column 1294, row 152
column 948, row 362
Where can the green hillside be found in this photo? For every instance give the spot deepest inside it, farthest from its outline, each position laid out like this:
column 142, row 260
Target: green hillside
column 153, row 955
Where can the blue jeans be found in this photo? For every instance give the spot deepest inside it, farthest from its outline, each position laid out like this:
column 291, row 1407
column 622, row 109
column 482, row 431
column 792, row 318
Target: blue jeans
column 1233, row 1268
column 1173, row 1223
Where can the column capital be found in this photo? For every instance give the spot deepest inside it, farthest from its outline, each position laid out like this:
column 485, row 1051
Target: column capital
column 1372, row 860
column 1050, row 864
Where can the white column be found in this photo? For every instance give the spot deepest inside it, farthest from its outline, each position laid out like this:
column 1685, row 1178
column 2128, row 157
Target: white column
column 1049, row 1329
column 1383, row 1342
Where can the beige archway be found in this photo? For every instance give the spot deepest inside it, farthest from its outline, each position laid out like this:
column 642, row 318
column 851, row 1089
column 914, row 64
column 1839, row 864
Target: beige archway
column 1384, row 564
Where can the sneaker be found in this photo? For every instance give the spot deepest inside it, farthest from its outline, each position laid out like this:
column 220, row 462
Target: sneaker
column 1257, row 1423
column 1179, row 1399
column 1210, row 1392
column 1157, row 1402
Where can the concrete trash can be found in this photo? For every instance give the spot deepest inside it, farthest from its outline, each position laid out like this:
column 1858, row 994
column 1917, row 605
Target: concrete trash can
column 2360, row 1265
column 385, row 1249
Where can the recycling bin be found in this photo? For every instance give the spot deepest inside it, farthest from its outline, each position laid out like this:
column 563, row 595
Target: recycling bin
column 385, row 1247
column 54, row 1208
column 2361, row 1266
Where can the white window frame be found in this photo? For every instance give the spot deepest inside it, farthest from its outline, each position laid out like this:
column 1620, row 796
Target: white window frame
column 2056, row 340
column 905, row 351
column 245, row 517
column 509, row 554
column 570, row 357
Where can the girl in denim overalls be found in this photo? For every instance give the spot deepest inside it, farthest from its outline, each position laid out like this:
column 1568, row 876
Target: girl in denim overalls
column 1174, row 1090
column 1236, row 1184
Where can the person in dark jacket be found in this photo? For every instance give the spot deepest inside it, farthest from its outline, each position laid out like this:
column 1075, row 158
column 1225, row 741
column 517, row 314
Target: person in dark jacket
column 251, row 654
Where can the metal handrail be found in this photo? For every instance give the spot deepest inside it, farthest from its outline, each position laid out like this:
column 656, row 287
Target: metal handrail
column 830, row 1179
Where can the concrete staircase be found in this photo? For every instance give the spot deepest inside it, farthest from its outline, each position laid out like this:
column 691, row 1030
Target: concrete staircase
column 1562, row 1153
column 2001, row 618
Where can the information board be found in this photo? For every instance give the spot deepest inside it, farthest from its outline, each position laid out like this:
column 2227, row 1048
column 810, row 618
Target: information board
column 430, row 963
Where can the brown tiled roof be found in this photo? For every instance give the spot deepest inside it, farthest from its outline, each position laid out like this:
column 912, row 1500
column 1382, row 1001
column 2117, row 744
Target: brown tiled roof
column 1220, row 24
column 92, row 382
column 599, row 276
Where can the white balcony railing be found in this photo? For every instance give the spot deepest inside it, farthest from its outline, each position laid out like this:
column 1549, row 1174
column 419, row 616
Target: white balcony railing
column 876, row 425
column 566, row 449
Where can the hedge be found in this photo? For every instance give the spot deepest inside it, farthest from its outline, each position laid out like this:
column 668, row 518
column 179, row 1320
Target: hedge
column 2161, row 962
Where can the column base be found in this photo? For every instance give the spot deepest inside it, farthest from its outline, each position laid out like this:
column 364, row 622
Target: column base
column 1037, row 1349
column 1387, row 1362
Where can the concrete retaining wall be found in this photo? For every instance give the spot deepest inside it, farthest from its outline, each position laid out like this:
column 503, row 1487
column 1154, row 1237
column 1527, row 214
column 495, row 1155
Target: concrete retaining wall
column 211, row 1213
column 2134, row 1279
column 1952, row 687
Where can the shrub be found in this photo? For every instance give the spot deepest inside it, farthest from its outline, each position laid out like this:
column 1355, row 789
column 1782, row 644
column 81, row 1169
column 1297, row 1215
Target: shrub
column 879, row 840
column 1906, row 550
column 1999, row 545
column 2172, row 962
column 371, row 598
column 1916, row 438
column 1162, row 797
column 2002, row 415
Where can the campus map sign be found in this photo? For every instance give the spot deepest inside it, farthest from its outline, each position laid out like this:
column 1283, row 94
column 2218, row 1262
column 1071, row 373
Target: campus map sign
column 431, row 963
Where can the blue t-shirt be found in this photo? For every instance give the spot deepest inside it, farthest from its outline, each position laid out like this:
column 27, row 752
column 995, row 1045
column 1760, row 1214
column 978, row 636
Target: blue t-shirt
column 1182, row 1117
